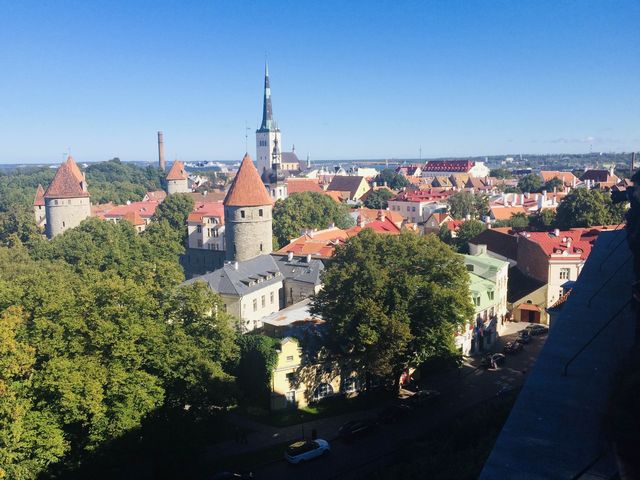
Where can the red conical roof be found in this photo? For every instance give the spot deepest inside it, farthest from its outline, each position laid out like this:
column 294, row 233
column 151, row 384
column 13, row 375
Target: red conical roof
column 247, row 190
column 39, row 200
column 177, row 171
column 65, row 184
column 73, row 166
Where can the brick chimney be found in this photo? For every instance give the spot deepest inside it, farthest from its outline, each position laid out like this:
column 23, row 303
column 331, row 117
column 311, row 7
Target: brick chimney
column 161, row 162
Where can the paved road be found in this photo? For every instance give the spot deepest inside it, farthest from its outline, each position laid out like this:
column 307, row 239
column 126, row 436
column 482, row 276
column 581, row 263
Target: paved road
column 355, row 460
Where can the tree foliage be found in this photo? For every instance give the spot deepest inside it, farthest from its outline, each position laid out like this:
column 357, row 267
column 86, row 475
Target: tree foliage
column 378, row 199
column 391, row 179
column 307, row 210
column 466, row 203
column 466, row 232
column 118, row 182
column 254, row 370
column 586, row 208
column 393, row 301
column 500, row 173
column 530, row 183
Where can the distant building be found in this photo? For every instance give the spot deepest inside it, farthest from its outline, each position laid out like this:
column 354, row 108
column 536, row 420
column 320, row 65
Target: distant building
column 356, row 186
column 67, row 201
column 177, row 179
column 205, row 227
column 137, row 213
column 417, row 205
column 449, row 167
column 38, row 208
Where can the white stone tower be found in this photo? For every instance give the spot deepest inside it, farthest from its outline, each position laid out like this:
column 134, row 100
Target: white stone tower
column 177, row 179
column 247, row 215
column 66, row 201
column 268, row 133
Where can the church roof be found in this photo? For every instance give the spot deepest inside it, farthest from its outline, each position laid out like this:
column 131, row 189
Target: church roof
column 65, row 183
column 177, row 171
column 267, row 112
column 247, row 190
column 39, row 199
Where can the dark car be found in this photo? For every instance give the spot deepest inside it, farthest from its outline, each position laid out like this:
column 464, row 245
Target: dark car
column 424, row 397
column 537, row 329
column 356, row 428
column 524, row 337
column 393, row 413
column 492, row 360
column 512, row 347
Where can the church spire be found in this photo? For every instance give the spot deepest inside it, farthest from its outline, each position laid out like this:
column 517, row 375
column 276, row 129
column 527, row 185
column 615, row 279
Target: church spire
column 267, row 112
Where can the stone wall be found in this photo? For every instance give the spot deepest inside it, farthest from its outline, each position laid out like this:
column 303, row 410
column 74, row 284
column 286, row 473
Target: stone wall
column 65, row 213
column 248, row 232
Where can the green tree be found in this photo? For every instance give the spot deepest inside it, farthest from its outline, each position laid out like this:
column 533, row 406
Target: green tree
column 500, row 173
column 391, row 179
column 466, row 203
column 307, row 210
column 254, row 371
column 553, row 183
column 175, row 209
column 378, row 199
column 543, row 220
column 466, row 232
column 518, row 220
column 530, row 183
column 391, row 302
column 586, row 208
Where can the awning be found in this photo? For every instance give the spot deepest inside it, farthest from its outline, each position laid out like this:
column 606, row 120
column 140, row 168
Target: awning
column 530, row 307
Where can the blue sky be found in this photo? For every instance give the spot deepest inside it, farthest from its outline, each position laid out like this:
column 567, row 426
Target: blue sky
column 352, row 79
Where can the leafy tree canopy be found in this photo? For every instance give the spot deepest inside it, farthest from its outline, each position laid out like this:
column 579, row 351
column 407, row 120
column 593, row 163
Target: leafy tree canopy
column 466, row 203
column 466, row 232
column 391, row 179
column 500, row 173
column 307, row 210
column 586, row 208
column 530, row 183
column 393, row 301
column 378, row 199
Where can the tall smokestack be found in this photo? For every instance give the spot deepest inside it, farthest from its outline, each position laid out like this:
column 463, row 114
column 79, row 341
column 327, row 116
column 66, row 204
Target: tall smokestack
column 633, row 163
column 161, row 163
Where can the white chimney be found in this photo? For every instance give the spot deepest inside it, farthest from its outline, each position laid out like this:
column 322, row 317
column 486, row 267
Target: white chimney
column 235, row 265
column 522, row 199
column 308, row 258
column 556, row 232
column 290, row 256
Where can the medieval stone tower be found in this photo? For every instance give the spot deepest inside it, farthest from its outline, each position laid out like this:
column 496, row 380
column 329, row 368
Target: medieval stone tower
column 177, row 179
column 66, row 201
column 268, row 134
column 247, row 215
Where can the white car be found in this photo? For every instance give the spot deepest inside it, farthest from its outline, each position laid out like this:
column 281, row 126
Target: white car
column 306, row 450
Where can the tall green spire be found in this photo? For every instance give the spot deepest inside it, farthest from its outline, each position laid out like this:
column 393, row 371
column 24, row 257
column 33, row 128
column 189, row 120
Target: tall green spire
column 267, row 112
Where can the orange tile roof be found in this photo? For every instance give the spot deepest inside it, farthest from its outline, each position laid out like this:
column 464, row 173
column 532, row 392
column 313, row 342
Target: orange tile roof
column 337, row 196
column 101, row 209
column 157, row 195
column 505, row 213
column 74, row 168
column 297, row 185
column 65, row 183
column 144, row 209
column 207, row 209
column 177, row 171
column 371, row 214
column 134, row 218
column 568, row 178
column 38, row 201
column 247, row 189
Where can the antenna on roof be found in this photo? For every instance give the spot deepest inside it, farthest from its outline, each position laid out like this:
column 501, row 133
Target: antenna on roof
column 246, row 137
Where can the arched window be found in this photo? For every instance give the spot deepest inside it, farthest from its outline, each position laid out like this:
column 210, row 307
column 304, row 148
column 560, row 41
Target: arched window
column 322, row 391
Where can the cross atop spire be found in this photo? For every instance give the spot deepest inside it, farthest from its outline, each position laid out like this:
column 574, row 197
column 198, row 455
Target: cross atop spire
column 267, row 112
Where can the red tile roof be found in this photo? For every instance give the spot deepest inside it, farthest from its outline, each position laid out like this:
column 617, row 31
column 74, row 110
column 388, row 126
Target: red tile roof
column 505, row 213
column 371, row 214
column 575, row 242
column 207, row 209
column 134, row 218
column 157, row 195
column 38, row 201
column 461, row 166
column 247, row 189
column 298, row 185
column 73, row 166
column 177, row 171
column 568, row 178
column 144, row 209
column 65, row 183
column 429, row 195
column 101, row 209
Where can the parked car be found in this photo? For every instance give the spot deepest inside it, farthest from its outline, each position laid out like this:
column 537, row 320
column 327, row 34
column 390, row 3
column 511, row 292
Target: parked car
column 424, row 397
column 393, row 413
column 493, row 359
column 512, row 347
column 306, row 450
column 524, row 337
column 356, row 428
column 537, row 329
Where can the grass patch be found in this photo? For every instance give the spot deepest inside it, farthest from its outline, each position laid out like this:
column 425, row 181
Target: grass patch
column 327, row 408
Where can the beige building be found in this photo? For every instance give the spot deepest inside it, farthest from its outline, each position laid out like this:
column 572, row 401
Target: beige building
column 38, row 208
column 205, row 226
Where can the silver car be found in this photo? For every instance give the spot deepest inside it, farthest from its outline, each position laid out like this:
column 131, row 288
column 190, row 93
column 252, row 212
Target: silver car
column 306, row 450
